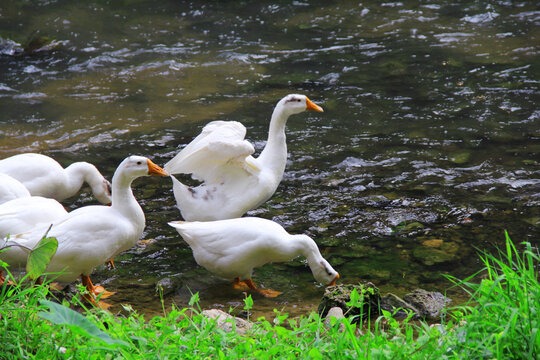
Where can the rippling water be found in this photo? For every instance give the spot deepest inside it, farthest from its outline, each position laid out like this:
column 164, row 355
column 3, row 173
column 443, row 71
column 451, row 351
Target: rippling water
column 430, row 132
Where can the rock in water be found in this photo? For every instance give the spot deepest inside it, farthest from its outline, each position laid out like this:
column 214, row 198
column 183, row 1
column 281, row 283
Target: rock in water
column 429, row 303
column 167, row 286
column 398, row 307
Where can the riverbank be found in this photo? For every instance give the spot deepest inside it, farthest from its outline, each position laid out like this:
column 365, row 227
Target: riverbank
column 500, row 321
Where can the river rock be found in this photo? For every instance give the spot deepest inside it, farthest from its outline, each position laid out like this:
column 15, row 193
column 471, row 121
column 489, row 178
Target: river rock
column 168, row 285
column 429, row 303
column 337, row 313
column 398, row 307
column 436, row 252
column 340, row 295
column 225, row 321
column 460, row 157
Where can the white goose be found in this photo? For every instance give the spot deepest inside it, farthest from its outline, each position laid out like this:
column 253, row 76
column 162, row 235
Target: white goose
column 232, row 248
column 44, row 176
column 233, row 180
column 11, row 188
column 23, row 214
column 89, row 236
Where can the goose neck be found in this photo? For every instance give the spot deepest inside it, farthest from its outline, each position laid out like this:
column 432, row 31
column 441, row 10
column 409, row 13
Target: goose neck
column 76, row 175
column 122, row 194
column 275, row 151
column 310, row 251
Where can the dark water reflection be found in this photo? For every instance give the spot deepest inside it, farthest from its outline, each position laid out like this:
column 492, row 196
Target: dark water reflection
column 428, row 147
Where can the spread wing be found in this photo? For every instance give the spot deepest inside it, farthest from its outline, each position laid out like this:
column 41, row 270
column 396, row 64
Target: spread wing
column 216, row 155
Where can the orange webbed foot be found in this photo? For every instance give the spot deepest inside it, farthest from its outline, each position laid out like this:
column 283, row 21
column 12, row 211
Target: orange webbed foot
column 94, row 290
column 264, row 292
column 269, row 292
column 3, row 280
column 100, row 290
column 56, row 286
column 103, row 305
column 240, row 285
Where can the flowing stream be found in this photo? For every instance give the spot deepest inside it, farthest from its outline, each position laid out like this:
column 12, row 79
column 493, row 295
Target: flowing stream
column 428, row 149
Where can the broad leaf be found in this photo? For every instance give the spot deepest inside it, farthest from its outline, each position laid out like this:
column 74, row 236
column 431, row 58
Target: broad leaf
column 62, row 315
column 40, row 256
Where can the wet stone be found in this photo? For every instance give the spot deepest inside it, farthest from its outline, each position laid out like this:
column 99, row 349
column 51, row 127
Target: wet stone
column 168, row 285
column 433, row 243
column 429, row 303
column 434, row 252
column 459, row 158
column 398, row 307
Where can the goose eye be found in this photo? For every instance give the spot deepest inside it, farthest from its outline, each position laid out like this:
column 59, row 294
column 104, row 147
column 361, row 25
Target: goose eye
column 326, row 269
column 139, row 162
column 108, row 186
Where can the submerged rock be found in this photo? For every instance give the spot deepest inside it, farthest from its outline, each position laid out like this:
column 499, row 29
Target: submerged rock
column 168, row 285
column 340, row 296
column 436, row 251
column 35, row 43
column 460, row 158
column 429, row 303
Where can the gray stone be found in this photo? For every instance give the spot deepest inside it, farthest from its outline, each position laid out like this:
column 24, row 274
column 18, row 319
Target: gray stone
column 228, row 322
column 397, row 306
column 430, row 255
column 337, row 313
column 168, row 285
column 429, row 303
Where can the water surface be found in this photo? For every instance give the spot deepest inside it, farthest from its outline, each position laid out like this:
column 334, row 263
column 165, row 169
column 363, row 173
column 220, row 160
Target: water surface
column 428, row 148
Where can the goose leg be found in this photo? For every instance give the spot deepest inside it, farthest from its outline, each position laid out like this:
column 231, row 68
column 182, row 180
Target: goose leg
column 3, row 279
column 240, row 285
column 110, row 263
column 94, row 290
column 265, row 292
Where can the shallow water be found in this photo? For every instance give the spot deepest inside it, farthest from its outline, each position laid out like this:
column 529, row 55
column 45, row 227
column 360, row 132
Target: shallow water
column 430, row 132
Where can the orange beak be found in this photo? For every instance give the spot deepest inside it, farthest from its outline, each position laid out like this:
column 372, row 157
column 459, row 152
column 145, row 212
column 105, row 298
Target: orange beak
column 334, row 281
column 310, row 105
column 153, row 169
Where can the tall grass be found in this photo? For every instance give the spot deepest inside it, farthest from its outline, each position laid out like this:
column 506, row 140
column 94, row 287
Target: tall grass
column 504, row 321
column 500, row 322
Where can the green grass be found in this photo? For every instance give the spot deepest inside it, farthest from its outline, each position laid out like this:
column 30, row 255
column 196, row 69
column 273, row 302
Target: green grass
column 500, row 322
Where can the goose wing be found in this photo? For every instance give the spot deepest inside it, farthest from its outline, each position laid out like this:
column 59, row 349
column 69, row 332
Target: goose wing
column 22, row 214
column 216, row 155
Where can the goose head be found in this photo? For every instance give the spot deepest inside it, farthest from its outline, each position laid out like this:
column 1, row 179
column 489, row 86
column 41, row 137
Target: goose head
column 324, row 273
column 135, row 166
column 321, row 269
column 103, row 192
column 296, row 103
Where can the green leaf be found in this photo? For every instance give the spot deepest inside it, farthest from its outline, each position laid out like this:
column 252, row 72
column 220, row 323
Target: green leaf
column 194, row 299
column 314, row 353
column 248, row 301
column 41, row 256
column 62, row 315
column 354, row 299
